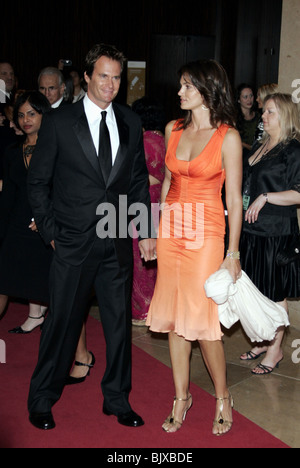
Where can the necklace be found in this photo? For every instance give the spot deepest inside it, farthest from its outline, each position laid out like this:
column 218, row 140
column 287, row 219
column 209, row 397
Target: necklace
column 263, row 151
column 27, row 152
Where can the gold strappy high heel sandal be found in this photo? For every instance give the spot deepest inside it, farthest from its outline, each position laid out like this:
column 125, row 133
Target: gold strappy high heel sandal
column 221, row 421
column 172, row 421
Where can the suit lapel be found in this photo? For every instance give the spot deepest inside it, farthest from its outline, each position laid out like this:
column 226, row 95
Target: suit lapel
column 124, row 141
column 83, row 134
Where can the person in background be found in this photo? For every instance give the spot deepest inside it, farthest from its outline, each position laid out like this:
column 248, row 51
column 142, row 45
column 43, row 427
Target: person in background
column 272, row 178
column 248, row 117
column 7, row 137
column 66, row 67
column 69, row 89
column 201, row 148
column 79, row 92
column 262, row 92
column 24, row 258
column 144, row 274
column 7, row 75
column 51, row 83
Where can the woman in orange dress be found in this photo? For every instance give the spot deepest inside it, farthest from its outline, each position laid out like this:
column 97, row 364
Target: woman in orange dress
column 202, row 147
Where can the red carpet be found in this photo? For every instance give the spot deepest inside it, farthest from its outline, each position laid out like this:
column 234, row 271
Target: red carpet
column 78, row 415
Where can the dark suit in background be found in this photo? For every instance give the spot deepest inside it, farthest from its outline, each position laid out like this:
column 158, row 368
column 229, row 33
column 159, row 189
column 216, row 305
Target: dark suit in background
column 7, row 137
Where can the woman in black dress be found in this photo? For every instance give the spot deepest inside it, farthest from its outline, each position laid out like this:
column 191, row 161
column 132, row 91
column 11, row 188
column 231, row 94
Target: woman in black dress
column 248, row 117
column 24, row 258
column 271, row 196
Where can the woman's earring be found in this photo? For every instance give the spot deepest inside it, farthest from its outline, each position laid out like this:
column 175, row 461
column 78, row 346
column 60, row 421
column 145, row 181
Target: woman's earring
column 204, row 107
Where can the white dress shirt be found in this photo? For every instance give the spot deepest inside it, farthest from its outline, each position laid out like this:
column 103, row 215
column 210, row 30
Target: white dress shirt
column 93, row 114
column 4, row 95
column 57, row 103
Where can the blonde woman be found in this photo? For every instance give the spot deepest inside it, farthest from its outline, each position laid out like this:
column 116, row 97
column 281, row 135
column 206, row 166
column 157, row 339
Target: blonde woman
column 262, row 92
column 272, row 177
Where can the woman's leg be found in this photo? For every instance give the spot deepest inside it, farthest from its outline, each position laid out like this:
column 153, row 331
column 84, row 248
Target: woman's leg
column 214, row 358
column 273, row 348
column 36, row 317
column 256, row 352
column 180, row 351
column 82, row 355
column 274, row 351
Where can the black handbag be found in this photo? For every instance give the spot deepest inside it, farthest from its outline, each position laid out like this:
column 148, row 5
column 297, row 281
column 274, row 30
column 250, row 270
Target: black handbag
column 290, row 254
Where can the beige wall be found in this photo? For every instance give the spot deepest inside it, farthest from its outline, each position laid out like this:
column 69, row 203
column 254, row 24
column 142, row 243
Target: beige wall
column 289, row 75
column 289, row 62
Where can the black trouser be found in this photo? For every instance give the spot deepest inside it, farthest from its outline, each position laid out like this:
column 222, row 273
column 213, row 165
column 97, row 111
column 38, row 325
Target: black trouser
column 70, row 289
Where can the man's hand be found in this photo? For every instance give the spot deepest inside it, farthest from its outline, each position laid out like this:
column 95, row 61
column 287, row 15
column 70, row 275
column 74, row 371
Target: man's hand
column 148, row 249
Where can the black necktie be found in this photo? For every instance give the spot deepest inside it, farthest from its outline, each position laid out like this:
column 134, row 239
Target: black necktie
column 105, row 153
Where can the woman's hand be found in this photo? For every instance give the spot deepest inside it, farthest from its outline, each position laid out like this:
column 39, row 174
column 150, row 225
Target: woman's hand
column 255, row 208
column 148, row 249
column 234, row 268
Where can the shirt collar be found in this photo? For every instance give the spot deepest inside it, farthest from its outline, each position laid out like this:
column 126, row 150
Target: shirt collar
column 93, row 111
column 5, row 93
column 57, row 103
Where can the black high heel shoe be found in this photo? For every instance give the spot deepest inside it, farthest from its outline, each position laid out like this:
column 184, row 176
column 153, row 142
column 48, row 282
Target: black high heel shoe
column 73, row 380
column 20, row 331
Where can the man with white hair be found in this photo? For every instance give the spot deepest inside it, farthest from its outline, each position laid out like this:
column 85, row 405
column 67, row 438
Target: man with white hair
column 52, row 84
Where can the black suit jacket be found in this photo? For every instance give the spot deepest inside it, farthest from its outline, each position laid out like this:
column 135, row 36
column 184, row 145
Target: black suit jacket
column 66, row 185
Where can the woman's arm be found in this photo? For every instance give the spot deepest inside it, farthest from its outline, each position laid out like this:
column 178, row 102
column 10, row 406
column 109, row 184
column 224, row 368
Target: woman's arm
column 167, row 181
column 232, row 160
column 287, row 198
column 166, row 185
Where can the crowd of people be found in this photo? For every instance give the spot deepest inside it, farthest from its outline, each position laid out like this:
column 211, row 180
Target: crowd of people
column 58, row 166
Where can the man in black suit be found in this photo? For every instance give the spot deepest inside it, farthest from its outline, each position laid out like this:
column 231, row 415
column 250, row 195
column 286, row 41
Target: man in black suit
column 68, row 163
column 7, row 75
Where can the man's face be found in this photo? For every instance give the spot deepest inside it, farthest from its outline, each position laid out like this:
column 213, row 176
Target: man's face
column 8, row 76
column 49, row 86
column 105, row 82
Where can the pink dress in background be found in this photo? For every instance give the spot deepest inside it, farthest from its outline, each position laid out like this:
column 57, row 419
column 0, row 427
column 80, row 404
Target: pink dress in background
column 144, row 275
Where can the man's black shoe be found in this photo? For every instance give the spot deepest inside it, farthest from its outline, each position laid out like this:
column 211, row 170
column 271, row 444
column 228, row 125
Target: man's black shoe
column 42, row 421
column 130, row 419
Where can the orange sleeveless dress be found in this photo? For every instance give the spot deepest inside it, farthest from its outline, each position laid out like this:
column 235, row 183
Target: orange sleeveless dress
column 190, row 245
